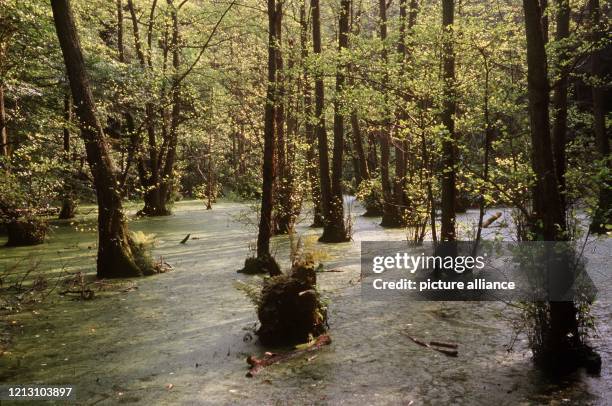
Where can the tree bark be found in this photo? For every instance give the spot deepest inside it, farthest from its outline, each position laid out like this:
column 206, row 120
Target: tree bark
column 560, row 331
column 390, row 216
column 265, row 218
column 362, row 171
column 603, row 211
column 120, row 31
column 283, row 211
column 334, row 229
column 115, row 256
column 311, row 152
column 449, row 193
column 3, row 125
column 165, row 187
column 68, row 202
column 559, row 129
column 327, row 204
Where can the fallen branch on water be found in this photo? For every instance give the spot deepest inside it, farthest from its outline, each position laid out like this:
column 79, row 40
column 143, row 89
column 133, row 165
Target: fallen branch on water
column 491, row 219
column 433, row 345
column 257, row 364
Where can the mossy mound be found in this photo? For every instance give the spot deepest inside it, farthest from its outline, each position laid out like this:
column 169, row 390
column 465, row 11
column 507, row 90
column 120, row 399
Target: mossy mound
column 290, row 310
column 262, row 265
column 26, row 231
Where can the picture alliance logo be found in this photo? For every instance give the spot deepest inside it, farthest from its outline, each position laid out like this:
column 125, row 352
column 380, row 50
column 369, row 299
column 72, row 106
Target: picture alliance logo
column 412, row 263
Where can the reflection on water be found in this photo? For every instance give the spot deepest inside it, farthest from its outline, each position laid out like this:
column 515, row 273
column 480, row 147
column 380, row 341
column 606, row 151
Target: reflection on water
column 182, row 336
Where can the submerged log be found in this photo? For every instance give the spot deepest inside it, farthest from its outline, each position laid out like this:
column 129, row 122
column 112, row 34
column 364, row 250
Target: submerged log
column 434, row 345
column 258, row 364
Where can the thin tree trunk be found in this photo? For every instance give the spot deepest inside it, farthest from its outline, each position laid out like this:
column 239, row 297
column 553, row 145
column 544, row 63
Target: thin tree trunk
column 283, row 207
column 559, row 129
column 265, row 218
column 488, row 133
column 362, row 171
column 115, row 256
column 449, row 193
column 68, row 201
column 320, row 130
column 333, row 228
column 3, row 131
column 311, row 152
column 120, row 31
column 390, row 212
column 166, row 181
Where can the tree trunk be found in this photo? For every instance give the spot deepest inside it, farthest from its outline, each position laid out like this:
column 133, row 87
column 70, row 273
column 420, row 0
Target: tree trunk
column 167, row 173
column 4, row 150
column 449, row 193
column 561, row 330
column 68, row 202
column 333, row 228
column 603, row 211
column 311, row 152
column 283, row 208
column 120, row 50
column 115, row 256
column 333, row 221
column 265, row 219
column 362, row 171
column 153, row 184
column 559, row 129
column 390, row 217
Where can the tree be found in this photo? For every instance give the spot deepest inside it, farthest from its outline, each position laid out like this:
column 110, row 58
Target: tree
column 449, row 194
column 115, row 248
column 331, row 195
column 603, row 212
column 559, row 328
column 390, row 212
column 309, row 129
column 266, row 261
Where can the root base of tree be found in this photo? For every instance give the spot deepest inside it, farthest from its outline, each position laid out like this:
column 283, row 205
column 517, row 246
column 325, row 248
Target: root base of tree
column 26, row 232
column 265, row 265
column 290, row 311
column 569, row 360
column 334, row 235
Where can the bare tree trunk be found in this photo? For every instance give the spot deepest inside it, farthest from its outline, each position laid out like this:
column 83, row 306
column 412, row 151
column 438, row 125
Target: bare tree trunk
column 166, row 181
column 449, row 192
column 362, row 171
column 282, row 221
column 265, row 219
column 3, row 132
column 559, row 129
column 333, row 228
column 68, row 201
column 603, row 211
column 561, row 330
column 311, row 152
column 120, row 31
column 115, row 256
column 390, row 207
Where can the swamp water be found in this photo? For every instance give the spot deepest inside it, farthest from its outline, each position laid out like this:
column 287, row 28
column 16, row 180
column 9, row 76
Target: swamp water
column 182, row 337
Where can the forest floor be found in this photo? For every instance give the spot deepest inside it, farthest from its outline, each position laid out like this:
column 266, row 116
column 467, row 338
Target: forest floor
column 183, row 336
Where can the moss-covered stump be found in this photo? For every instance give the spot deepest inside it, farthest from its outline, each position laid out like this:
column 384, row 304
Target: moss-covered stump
column 261, row 265
column 26, row 231
column 290, row 311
